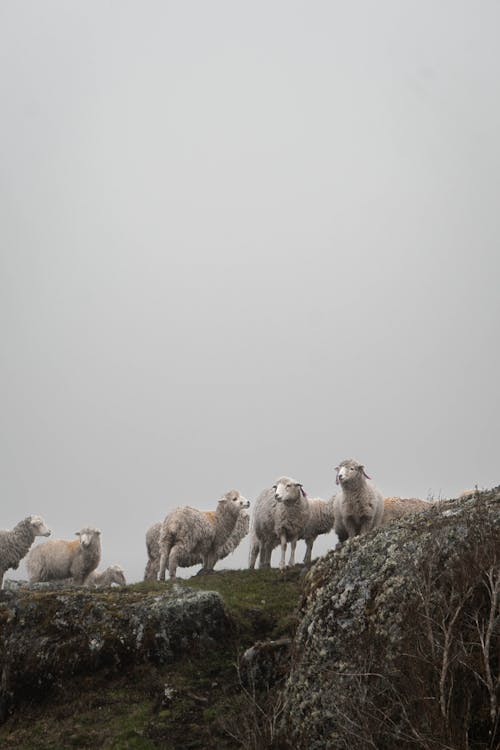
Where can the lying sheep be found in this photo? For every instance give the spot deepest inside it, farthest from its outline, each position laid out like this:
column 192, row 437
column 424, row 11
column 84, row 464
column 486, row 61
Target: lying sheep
column 359, row 505
column 15, row 544
column 189, row 533
column 320, row 521
column 61, row 559
column 397, row 507
column 113, row 574
column 280, row 516
column 153, row 546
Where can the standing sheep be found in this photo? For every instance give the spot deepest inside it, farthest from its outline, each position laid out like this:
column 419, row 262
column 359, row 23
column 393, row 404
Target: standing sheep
column 280, row 516
column 397, row 507
column 61, row 559
column 189, row 533
column 320, row 521
column 153, row 546
column 113, row 574
column 359, row 505
column 15, row 544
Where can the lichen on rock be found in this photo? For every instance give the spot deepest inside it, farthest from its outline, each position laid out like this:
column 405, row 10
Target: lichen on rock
column 47, row 635
column 388, row 648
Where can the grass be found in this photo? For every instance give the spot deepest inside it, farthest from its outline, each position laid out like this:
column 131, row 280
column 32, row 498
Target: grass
column 180, row 705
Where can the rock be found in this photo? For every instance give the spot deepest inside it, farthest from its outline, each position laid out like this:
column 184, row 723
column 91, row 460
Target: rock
column 388, row 649
column 46, row 635
column 265, row 664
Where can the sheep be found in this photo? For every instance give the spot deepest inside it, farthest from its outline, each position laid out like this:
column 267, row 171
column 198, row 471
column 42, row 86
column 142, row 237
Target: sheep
column 397, row 507
column 188, row 532
column 153, row 546
column 359, row 505
column 61, row 559
column 280, row 516
column 15, row 543
column 113, row 574
column 320, row 521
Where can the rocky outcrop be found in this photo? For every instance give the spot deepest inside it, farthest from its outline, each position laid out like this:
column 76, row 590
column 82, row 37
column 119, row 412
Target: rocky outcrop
column 399, row 635
column 47, row 635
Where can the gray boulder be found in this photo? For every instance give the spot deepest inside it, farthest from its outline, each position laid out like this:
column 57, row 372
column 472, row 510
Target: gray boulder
column 48, row 635
column 399, row 635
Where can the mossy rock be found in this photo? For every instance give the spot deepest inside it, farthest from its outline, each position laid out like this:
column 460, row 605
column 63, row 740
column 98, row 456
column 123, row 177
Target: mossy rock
column 387, row 653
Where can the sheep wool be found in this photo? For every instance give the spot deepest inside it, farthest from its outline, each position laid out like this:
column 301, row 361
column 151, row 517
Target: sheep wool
column 240, row 530
column 320, row 521
column 113, row 574
column 16, row 543
column 359, row 506
column 188, row 533
column 397, row 507
column 280, row 515
column 60, row 559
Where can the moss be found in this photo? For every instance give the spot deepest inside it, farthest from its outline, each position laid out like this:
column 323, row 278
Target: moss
column 141, row 702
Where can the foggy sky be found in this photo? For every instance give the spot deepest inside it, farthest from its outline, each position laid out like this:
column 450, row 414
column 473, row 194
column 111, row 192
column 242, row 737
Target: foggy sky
column 240, row 240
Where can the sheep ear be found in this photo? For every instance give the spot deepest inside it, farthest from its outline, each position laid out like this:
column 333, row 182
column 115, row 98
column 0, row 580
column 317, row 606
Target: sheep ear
column 337, row 469
column 362, row 469
column 77, row 533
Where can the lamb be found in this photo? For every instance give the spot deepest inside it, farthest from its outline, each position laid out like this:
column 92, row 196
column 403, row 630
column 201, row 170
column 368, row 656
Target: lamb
column 113, row 574
column 153, row 546
column 359, row 505
column 15, row 543
column 320, row 521
column 280, row 516
column 188, row 532
column 61, row 559
column 397, row 507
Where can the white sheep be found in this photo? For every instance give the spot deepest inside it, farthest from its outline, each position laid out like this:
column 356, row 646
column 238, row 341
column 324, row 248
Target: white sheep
column 188, row 532
column 153, row 546
column 113, row 574
column 320, row 521
column 397, row 507
column 359, row 505
column 280, row 516
column 61, row 559
column 15, row 543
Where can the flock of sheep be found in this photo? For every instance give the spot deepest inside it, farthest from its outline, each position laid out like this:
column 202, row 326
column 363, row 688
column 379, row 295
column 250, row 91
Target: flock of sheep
column 282, row 515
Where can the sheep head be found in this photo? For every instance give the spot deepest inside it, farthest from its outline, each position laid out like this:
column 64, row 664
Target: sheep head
column 350, row 471
column 87, row 536
column 117, row 575
column 233, row 499
column 287, row 490
column 38, row 526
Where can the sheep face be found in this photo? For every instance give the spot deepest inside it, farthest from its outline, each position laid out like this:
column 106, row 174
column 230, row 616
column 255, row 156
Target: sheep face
column 235, row 500
column 350, row 472
column 87, row 536
column 287, row 490
column 117, row 575
column 38, row 526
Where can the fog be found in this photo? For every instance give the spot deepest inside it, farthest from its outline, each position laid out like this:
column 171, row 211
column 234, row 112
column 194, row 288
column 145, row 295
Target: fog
column 241, row 240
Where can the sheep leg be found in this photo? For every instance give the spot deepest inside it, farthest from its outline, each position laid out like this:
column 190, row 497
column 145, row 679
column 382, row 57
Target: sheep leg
column 164, row 558
column 209, row 561
column 176, row 553
column 265, row 555
column 283, row 543
column 351, row 527
column 291, row 561
column 308, row 555
column 254, row 551
column 341, row 532
column 366, row 524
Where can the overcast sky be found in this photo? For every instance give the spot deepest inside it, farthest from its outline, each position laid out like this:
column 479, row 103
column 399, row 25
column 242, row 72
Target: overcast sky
column 240, row 240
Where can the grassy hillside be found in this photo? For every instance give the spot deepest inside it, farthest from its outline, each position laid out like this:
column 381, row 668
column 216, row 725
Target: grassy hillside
column 197, row 703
